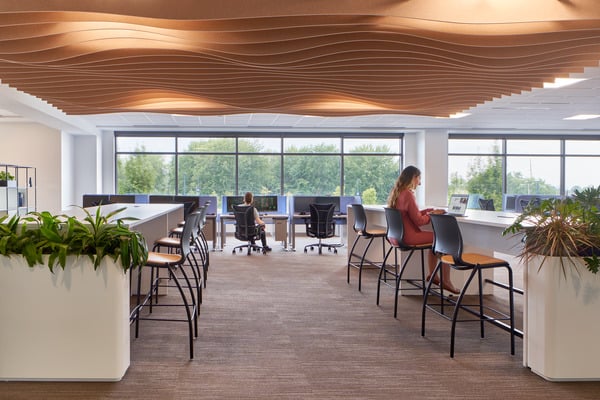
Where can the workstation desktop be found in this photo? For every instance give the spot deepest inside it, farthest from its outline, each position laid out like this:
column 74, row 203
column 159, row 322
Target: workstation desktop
column 265, row 204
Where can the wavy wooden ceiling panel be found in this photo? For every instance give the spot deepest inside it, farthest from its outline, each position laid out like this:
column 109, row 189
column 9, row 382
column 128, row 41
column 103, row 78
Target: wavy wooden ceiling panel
column 90, row 59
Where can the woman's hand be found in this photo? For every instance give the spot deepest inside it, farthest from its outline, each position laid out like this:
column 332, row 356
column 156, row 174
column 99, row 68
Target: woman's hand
column 437, row 211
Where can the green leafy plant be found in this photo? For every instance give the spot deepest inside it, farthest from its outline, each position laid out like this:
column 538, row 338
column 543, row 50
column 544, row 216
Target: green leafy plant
column 564, row 228
column 96, row 236
column 6, row 176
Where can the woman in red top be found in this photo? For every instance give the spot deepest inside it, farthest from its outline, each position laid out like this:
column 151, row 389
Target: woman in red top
column 403, row 198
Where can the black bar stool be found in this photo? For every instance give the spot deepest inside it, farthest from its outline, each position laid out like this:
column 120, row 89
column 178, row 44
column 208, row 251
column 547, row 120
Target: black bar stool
column 448, row 245
column 172, row 263
column 395, row 238
column 356, row 260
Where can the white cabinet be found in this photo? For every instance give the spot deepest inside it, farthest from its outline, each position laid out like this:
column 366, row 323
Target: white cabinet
column 17, row 189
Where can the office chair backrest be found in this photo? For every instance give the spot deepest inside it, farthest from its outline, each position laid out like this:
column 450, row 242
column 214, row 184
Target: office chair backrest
column 447, row 236
column 198, row 215
column 395, row 227
column 360, row 218
column 245, row 227
column 487, row 204
column 188, row 230
column 321, row 220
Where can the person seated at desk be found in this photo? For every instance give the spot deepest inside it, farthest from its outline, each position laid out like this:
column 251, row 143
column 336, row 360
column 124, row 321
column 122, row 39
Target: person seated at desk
column 248, row 201
column 403, row 198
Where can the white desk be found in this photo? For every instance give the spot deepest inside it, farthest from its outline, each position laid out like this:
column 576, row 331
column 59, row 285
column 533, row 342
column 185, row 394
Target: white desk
column 339, row 219
column 279, row 220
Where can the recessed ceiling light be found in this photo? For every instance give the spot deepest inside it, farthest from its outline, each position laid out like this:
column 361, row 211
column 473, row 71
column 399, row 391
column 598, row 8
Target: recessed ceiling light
column 583, row 116
column 562, row 82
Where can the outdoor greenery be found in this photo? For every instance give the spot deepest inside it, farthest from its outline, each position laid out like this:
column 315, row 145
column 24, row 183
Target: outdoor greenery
column 6, row 176
column 484, row 178
column 209, row 168
column 96, row 236
column 566, row 228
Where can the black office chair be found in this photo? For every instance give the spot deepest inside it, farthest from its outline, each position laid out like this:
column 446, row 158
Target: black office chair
column 533, row 202
column 246, row 229
column 487, row 204
column 395, row 238
column 448, row 245
column 362, row 231
column 321, row 226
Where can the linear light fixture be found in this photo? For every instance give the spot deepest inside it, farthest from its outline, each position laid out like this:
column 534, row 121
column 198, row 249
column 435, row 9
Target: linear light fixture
column 459, row 115
column 562, row 82
column 581, row 117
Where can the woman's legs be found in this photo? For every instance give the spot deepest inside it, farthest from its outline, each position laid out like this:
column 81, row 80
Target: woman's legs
column 433, row 260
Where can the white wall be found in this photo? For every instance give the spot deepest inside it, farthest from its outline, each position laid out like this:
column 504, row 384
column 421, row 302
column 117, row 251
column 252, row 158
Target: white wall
column 67, row 170
column 38, row 146
column 86, row 172
column 427, row 150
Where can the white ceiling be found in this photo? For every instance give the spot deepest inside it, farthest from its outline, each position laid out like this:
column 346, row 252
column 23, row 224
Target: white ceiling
column 536, row 110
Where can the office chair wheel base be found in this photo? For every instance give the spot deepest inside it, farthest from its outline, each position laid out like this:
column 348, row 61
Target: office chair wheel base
column 233, row 252
column 306, row 250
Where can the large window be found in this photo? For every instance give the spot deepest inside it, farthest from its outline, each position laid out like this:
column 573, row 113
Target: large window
column 275, row 164
column 493, row 167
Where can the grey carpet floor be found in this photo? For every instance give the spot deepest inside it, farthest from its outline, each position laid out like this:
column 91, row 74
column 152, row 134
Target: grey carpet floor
column 288, row 326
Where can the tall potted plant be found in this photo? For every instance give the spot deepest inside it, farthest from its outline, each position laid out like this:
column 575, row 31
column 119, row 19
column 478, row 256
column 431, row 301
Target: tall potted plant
column 562, row 286
column 65, row 291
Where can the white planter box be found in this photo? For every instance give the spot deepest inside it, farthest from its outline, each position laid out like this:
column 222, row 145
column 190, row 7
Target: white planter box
column 562, row 324
column 70, row 325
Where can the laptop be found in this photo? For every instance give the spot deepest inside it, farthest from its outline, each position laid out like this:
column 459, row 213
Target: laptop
column 458, row 204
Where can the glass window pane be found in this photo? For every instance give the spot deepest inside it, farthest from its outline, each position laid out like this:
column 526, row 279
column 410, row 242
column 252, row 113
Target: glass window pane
column 312, row 145
column 259, row 174
column 532, row 146
column 475, row 146
column 259, row 145
column 206, row 145
column 591, row 147
column 145, row 144
column 533, row 175
column 478, row 176
column 370, row 177
column 577, row 173
column 312, row 175
column 365, row 145
column 207, row 174
column 145, row 174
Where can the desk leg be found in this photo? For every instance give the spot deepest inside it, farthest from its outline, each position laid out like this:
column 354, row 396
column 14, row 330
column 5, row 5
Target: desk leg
column 223, row 233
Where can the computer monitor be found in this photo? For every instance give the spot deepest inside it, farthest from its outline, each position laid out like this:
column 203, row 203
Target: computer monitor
column 92, row 200
column 335, row 200
column 161, row 198
column 229, row 201
column 300, row 204
column 267, row 204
